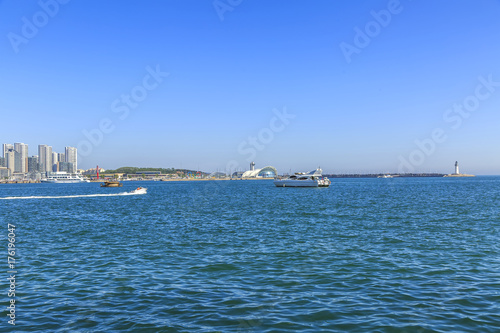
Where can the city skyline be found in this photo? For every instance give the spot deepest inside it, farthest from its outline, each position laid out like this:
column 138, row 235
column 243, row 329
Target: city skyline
column 372, row 87
column 17, row 160
column 70, row 156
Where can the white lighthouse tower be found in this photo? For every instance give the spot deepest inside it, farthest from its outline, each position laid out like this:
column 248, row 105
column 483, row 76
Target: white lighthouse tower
column 457, row 173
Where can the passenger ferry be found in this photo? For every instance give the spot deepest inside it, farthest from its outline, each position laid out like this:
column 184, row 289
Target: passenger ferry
column 299, row 179
column 62, row 177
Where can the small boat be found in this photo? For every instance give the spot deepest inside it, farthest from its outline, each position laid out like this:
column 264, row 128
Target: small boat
column 111, row 183
column 139, row 190
column 386, row 176
column 299, row 179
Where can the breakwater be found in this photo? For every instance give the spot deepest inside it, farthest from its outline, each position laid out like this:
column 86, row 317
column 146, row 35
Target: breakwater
column 378, row 175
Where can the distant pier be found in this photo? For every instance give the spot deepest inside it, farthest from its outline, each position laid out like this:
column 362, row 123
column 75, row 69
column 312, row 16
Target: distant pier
column 19, row 181
column 380, row 175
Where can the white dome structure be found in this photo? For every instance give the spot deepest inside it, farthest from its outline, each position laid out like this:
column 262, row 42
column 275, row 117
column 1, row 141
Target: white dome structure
column 266, row 172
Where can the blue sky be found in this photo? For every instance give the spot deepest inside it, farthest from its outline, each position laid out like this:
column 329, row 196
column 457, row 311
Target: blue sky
column 387, row 107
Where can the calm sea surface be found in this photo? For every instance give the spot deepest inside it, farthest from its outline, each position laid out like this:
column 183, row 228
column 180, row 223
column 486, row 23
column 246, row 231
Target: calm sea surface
column 365, row 255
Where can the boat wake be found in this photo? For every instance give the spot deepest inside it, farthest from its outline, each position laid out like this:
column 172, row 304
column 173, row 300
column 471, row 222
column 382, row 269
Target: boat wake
column 75, row 196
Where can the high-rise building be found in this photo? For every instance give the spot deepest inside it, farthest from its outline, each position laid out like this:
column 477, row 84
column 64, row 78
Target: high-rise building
column 71, row 157
column 2, row 162
column 45, row 158
column 33, row 164
column 22, row 149
column 4, row 173
column 55, row 163
column 66, row 166
column 10, row 160
column 17, row 162
column 5, row 148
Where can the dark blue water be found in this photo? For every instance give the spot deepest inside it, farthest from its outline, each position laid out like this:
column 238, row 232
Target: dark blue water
column 365, row 255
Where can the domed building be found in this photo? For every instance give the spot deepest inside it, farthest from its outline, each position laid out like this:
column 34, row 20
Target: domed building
column 265, row 172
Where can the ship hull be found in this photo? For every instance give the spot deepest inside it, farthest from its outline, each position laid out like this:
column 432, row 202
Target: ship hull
column 299, row 183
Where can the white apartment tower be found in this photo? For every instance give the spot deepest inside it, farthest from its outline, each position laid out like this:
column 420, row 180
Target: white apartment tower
column 45, row 158
column 55, row 163
column 22, row 149
column 10, row 160
column 7, row 153
column 5, row 149
column 71, row 157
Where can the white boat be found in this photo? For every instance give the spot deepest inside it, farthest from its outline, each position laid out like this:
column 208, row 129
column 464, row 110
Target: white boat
column 386, row 176
column 62, row 177
column 310, row 179
column 139, row 190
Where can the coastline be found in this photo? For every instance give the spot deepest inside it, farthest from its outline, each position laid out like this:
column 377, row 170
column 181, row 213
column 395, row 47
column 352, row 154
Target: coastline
column 331, row 176
column 19, row 182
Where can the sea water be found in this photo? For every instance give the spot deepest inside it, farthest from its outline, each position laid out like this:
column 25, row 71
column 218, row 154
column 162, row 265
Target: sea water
column 365, row 255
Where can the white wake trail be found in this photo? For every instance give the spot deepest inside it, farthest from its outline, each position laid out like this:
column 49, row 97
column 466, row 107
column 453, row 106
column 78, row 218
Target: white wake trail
column 73, row 196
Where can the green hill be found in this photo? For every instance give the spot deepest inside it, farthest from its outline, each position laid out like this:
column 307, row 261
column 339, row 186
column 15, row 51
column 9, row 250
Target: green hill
column 134, row 170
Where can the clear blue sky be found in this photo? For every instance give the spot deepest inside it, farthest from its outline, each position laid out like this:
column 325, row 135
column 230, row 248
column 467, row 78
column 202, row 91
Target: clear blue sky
column 229, row 68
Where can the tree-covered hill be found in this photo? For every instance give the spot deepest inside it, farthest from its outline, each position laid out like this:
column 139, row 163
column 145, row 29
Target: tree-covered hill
column 133, row 170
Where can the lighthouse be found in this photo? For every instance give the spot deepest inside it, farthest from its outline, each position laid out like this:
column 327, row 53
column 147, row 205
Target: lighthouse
column 457, row 172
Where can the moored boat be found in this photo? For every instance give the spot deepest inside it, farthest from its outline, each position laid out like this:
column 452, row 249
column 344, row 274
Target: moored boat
column 310, row 179
column 386, row 176
column 62, row 177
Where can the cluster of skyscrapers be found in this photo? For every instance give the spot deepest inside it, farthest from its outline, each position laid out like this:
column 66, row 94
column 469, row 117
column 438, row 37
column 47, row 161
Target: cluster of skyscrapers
column 15, row 162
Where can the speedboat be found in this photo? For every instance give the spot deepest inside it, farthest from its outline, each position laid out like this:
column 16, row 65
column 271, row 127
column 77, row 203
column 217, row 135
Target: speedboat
column 299, row 179
column 139, row 190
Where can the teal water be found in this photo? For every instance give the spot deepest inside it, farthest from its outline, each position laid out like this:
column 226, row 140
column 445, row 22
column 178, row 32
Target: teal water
column 365, row 255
